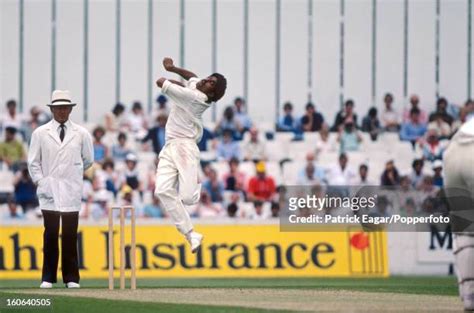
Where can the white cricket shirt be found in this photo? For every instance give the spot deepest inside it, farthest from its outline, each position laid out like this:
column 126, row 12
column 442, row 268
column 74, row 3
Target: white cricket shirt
column 188, row 105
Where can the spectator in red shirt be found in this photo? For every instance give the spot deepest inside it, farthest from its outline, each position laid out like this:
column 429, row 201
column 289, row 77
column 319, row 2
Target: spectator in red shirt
column 261, row 187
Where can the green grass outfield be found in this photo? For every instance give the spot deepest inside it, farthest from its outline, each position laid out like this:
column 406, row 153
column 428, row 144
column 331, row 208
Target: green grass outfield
column 443, row 286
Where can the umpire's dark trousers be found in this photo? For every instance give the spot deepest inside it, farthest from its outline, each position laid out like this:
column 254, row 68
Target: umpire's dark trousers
column 69, row 258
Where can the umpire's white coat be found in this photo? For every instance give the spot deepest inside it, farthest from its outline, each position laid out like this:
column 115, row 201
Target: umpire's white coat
column 57, row 167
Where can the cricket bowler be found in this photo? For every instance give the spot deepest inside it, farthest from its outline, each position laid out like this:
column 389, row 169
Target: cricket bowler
column 177, row 183
column 459, row 183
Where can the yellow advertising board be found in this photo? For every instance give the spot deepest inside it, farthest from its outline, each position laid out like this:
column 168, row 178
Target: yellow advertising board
column 228, row 251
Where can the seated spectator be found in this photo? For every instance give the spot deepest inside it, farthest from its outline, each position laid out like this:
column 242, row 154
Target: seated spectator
column 345, row 115
column 407, row 197
column 432, row 147
column 13, row 212
column 428, row 189
column 130, row 175
column 11, row 118
column 390, row 176
column 438, row 123
column 414, row 104
column 232, row 209
column 288, row 123
column 36, row 119
column 12, row 152
column 120, row 150
column 341, row 174
column 437, row 168
column 363, row 179
column 325, row 144
column 213, row 186
column 275, row 210
column 441, row 111
column 234, row 180
column 349, row 138
column 228, row 148
column 157, row 134
column 229, row 122
column 261, row 187
column 107, row 178
column 208, row 208
column 101, row 151
column 100, row 207
column 389, row 117
column 25, row 190
column 258, row 212
column 161, row 109
column 312, row 121
column 153, row 209
column 115, row 120
column 254, row 149
column 371, row 124
column 207, row 136
column 241, row 115
column 311, row 174
column 137, row 121
column 417, row 174
column 414, row 129
column 127, row 199
column 463, row 117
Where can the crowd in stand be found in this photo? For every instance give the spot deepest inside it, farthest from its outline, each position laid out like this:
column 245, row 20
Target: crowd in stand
column 121, row 176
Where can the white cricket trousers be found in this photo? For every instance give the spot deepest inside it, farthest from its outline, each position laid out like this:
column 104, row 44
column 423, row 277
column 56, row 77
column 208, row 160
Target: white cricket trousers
column 177, row 183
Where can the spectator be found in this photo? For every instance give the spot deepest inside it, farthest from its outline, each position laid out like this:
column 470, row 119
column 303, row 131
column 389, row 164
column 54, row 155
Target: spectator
column 254, row 149
column 10, row 118
column 463, row 117
column 428, row 189
column 363, row 179
column 157, row 134
column 442, row 111
column 407, row 197
column 137, row 121
column 114, row 121
column 312, row 121
column 162, row 108
column 371, row 124
column 311, row 174
column 414, row 129
column 432, row 147
column 288, row 123
column 120, row 150
column 258, row 212
column 207, row 136
column 438, row 123
column 25, row 190
column 208, row 208
column 234, row 180
column 341, row 174
column 241, row 115
column 414, row 104
column 130, row 176
column 99, row 208
column 437, row 168
column 127, row 198
column 349, row 137
column 37, row 118
column 228, row 148
column 232, row 210
column 325, row 144
column 213, row 186
column 390, row 175
column 101, row 151
column 229, row 122
column 13, row 212
column 275, row 210
column 261, row 187
column 389, row 116
column 107, row 178
column 153, row 209
column 11, row 150
column 345, row 115
column 417, row 174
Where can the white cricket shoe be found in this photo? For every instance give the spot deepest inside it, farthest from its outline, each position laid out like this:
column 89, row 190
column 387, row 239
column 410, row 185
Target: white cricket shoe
column 469, row 302
column 195, row 240
column 46, row 285
column 73, row 285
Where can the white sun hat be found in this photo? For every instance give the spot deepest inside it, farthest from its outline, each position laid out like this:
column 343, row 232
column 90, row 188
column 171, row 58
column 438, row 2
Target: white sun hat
column 60, row 97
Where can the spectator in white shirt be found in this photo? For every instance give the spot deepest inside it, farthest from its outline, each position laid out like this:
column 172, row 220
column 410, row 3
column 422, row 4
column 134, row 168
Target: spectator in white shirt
column 341, row 174
column 241, row 114
column 389, row 116
column 363, row 179
column 11, row 118
column 254, row 149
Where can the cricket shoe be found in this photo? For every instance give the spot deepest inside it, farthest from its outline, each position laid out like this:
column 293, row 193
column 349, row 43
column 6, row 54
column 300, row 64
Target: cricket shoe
column 195, row 240
column 469, row 303
column 73, row 285
column 46, row 285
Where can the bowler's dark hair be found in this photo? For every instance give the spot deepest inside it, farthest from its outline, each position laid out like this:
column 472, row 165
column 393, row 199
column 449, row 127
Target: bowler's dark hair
column 220, row 87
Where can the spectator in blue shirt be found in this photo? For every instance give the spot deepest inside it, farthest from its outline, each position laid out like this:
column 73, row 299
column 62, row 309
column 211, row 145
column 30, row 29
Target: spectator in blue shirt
column 241, row 115
column 153, row 209
column 413, row 130
column 207, row 135
column 157, row 134
column 227, row 148
column 120, row 150
column 288, row 123
column 213, row 186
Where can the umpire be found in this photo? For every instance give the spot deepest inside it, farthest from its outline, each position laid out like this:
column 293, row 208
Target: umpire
column 60, row 152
